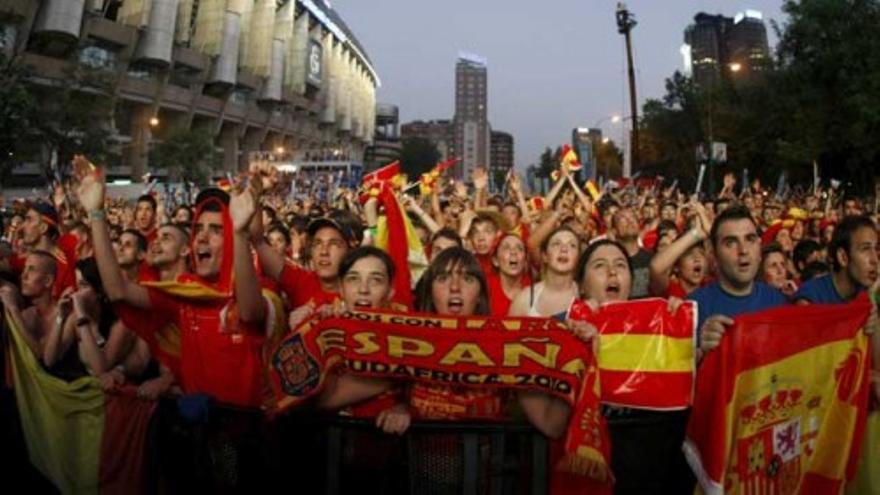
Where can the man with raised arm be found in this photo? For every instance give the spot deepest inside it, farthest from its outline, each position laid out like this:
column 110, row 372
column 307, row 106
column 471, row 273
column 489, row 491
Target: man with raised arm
column 222, row 325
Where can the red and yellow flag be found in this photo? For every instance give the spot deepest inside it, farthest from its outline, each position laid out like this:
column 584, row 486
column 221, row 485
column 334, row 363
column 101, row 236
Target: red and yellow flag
column 428, row 181
column 646, row 354
column 570, row 158
column 535, row 354
column 80, row 438
column 780, row 406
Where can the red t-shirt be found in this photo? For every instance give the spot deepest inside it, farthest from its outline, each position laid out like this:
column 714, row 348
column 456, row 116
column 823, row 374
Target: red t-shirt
column 498, row 301
column 220, row 355
column 301, row 286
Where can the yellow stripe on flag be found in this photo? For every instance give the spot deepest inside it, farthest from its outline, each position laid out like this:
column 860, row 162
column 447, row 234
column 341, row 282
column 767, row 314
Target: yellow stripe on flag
column 646, row 353
column 62, row 422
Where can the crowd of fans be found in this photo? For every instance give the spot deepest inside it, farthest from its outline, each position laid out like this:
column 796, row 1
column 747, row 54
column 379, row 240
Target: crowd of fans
column 75, row 272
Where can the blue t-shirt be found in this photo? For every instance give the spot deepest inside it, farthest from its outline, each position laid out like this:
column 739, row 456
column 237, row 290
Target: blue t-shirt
column 820, row 290
column 713, row 300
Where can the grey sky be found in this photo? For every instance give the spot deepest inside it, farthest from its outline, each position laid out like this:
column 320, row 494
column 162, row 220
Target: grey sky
column 553, row 64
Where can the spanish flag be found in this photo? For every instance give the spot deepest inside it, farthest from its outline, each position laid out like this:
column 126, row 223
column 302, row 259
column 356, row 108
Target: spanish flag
column 396, row 235
column 78, row 437
column 428, row 181
column 646, row 354
column 780, row 406
column 569, row 158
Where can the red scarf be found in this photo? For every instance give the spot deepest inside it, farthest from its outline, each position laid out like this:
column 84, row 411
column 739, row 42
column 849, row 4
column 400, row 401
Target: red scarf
column 512, row 353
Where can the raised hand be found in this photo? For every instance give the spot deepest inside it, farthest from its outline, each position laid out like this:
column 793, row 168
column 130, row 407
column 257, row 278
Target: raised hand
column 514, row 183
column 480, row 178
column 242, row 208
column 91, row 184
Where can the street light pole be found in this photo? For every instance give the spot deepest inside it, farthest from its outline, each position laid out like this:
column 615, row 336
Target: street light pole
column 626, row 21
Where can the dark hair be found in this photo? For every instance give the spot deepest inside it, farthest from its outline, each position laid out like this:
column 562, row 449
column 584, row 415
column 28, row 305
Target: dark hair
column 89, row 269
column 350, row 221
column 443, row 263
column 812, row 270
column 581, row 269
column 562, row 228
column 280, row 228
column 299, row 224
column 665, row 226
column 183, row 207
column 802, row 252
column 146, row 198
column 731, row 214
column 773, row 247
column 842, row 238
column 447, row 233
column 512, row 204
column 357, row 254
column 141, row 240
column 273, row 215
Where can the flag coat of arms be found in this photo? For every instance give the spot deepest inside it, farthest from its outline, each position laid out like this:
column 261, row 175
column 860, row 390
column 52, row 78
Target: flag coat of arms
column 780, row 405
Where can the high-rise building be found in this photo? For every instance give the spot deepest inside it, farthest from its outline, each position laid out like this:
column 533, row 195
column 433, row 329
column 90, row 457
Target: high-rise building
column 585, row 141
column 716, row 45
column 440, row 132
column 747, row 44
column 501, row 157
column 472, row 134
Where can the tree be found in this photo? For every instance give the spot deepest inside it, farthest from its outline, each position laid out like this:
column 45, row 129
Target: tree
column 609, row 159
column 829, row 56
column 17, row 114
column 418, row 156
column 818, row 100
column 672, row 128
column 187, row 154
column 76, row 116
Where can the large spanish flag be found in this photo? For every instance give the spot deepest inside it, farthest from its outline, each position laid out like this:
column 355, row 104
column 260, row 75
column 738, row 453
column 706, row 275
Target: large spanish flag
column 78, row 437
column 646, row 353
column 780, row 406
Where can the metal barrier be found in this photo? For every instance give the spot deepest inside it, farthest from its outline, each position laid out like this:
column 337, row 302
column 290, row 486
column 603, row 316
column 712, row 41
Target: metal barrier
column 321, row 453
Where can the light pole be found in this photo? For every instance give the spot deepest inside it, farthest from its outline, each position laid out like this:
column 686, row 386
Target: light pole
column 734, row 68
column 626, row 21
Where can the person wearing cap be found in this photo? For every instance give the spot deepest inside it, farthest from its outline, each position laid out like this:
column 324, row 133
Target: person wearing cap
column 328, row 243
column 222, row 325
column 40, row 231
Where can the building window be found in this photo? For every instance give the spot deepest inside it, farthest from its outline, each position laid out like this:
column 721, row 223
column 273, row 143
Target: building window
column 96, row 57
column 240, row 96
column 143, row 72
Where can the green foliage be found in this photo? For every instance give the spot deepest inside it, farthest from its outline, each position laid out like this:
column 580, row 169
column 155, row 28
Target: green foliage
column 18, row 109
column 76, row 115
column 187, row 154
column 819, row 100
column 418, row 156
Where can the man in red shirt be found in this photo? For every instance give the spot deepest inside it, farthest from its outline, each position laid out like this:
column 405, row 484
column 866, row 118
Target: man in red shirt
column 328, row 242
column 40, row 232
column 223, row 325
